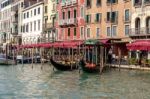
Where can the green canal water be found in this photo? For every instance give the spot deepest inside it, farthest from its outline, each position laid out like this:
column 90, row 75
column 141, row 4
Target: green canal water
column 23, row 82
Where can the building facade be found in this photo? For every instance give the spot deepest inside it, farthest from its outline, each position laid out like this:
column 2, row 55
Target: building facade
column 49, row 21
column 70, row 16
column 140, row 24
column 111, row 20
column 16, row 18
column 32, row 22
column 5, row 21
column 108, row 18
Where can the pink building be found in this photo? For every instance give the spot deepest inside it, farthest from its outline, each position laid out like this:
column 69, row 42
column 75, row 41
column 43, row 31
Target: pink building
column 70, row 24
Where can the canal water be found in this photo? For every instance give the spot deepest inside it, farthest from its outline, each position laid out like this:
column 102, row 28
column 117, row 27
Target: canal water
column 25, row 82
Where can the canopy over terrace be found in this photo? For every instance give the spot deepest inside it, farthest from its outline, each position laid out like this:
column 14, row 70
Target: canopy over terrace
column 63, row 44
column 67, row 44
column 96, row 42
column 139, row 45
column 45, row 45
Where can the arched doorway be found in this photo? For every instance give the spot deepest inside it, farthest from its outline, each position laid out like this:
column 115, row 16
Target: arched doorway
column 137, row 25
column 148, row 25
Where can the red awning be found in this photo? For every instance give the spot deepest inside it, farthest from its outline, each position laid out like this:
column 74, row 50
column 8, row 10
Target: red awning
column 44, row 45
column 67, row 44
column 139, row 45
column 104, row 41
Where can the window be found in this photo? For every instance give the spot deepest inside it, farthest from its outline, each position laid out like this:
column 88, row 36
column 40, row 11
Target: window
column 98, row 2
column 137, row 2
column 54, row 6
column 27, row 14
column 62, row 34
column 45, row 9
column 88, row 3
column 31, row 13
column 75, row 13
column 112, row 16
column 127, row 30
column 112, row 1
column 63, row 15
column 39, row 25
column 88, row 32
column 114, row 30
column 31, row 26
column 127, row 16
column 82, row 12
column 39, row 10
column 108, row 31
column 24, row 15
column 88, row 18
column 68, row 14
column 27, row 28
column 34, row 25
column 98, row 17
column 97, row 32
column 82, row 32
column 75, row 32
column 34, row 11
column 68, row 31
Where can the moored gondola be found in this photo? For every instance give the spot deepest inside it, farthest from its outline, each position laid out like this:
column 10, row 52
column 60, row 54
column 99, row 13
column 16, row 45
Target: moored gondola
column 89, row 68
column 64, row 67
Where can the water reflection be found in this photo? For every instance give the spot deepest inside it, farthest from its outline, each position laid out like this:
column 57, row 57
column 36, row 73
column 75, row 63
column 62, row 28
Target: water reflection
column 25, row 82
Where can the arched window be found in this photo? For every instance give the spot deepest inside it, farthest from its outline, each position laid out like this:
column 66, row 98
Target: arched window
column 148, row 25
column 137, row 25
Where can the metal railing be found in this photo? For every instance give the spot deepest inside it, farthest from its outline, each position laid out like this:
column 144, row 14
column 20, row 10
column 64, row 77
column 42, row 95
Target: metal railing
column 68, row 3
column 139, row 31
column 71, row 21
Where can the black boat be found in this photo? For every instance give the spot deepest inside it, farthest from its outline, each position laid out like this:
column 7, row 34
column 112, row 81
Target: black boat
column 88, row 69
column 63, row 67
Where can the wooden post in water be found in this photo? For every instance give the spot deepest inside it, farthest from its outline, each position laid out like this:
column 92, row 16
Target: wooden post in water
column 119, row 57
column 102, row 59
column 32, row 56
column 22, row 56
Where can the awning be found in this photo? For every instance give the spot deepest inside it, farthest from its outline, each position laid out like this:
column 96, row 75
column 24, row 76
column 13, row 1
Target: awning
column 139, row 45
column 67, row 44
column 43, row 45
column 96, row 42
column 92, row 42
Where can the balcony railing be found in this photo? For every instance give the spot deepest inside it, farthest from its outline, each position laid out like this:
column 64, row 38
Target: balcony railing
column 68, row 3
column 71, row 21
column 113, row 21
column 126, row 19
column 147, row 2
column 139, row 31
column 137, row 4
column 47, row 26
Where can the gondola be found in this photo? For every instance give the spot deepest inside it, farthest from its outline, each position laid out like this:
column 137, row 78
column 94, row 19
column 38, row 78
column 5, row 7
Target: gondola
column 6, row 60
column 88, row 69
column 63, row 67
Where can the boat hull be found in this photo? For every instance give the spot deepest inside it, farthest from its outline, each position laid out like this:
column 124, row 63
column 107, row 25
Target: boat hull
column 87, row 69
column 63, row 67
column 7, row 62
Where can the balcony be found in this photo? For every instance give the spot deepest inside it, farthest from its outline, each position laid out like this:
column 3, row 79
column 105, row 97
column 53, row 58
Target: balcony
column 139, row 32
column 29, row 3
column 112, row 21
column 146, row 2
column 68, row 3
column 71, row 21
column 126, row 19
column 63, row 22
column 138, row 4
column 68, row 22
column 47, row 26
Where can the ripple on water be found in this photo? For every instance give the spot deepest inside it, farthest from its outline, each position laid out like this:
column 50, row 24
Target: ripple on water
column 25, row 82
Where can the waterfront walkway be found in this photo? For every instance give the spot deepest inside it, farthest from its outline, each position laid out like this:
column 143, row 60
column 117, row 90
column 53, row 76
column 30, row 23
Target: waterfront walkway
column 136, row 67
